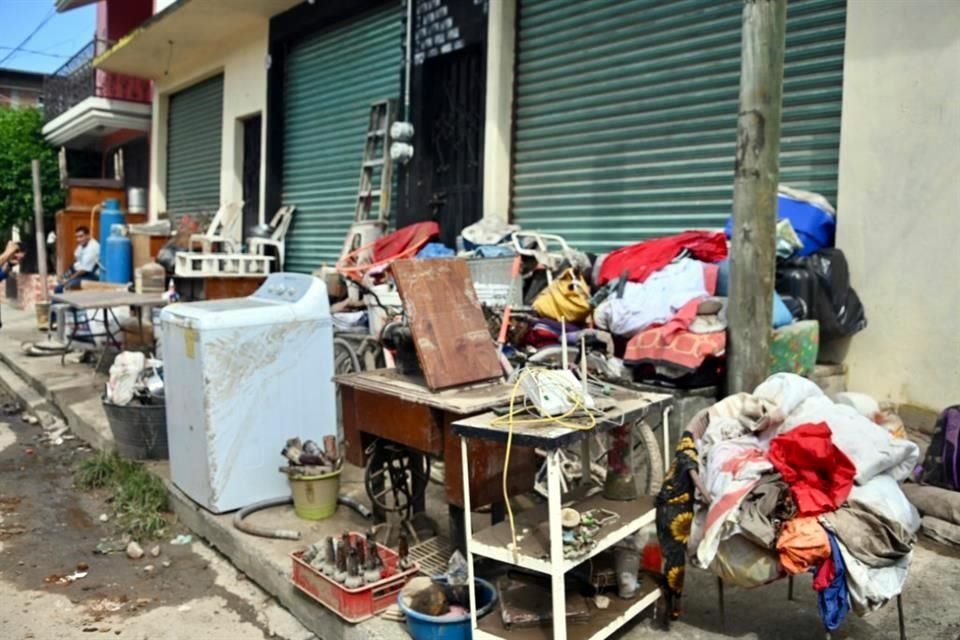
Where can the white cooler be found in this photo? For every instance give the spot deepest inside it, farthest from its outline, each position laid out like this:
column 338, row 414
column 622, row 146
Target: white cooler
column 241, row 377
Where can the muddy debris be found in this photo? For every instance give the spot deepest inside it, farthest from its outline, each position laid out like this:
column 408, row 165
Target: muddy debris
column 155, row 551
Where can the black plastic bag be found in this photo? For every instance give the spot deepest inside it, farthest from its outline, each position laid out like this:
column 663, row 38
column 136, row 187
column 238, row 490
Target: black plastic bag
column 831, row 300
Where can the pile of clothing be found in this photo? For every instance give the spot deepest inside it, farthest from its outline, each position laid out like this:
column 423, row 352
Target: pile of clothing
column 798, row 483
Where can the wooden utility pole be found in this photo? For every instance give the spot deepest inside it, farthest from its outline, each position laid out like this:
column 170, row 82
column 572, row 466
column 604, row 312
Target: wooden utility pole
column 756, row 173
column 38, row 229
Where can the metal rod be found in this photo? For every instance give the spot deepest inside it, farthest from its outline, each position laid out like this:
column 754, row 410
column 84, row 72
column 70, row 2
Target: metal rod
column 723, row 611
column 409, row 62
column 903, row 630
column 468, row 527
column 38, row 229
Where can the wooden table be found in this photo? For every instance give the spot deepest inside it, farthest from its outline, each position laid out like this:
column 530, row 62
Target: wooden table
column 216, row 287
column 385, row 404
column 104, row 302
column 541, row 547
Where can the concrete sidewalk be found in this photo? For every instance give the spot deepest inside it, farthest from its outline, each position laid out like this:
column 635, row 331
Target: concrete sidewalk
column 74, row 392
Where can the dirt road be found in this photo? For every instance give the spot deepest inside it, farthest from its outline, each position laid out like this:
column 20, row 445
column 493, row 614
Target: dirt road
column 49, row 534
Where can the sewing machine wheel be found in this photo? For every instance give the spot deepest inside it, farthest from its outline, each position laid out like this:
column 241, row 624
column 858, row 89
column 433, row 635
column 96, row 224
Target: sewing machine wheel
column 396, row 478
column 647, row 459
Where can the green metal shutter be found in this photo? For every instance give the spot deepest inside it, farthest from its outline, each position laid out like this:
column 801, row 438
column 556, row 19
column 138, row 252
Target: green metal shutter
column 194, row 146
column 626, row 113
column 331, row 79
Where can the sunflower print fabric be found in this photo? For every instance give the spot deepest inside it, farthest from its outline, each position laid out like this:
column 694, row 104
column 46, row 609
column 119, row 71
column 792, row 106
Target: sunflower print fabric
column 674, row 517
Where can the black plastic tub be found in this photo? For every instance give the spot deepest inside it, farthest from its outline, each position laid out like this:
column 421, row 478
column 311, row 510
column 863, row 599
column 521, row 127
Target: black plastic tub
column 139, row 430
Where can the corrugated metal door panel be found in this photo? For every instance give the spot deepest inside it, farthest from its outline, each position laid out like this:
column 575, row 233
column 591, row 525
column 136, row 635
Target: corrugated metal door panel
column 331, row 79
column 626, row 113
column 194, row 145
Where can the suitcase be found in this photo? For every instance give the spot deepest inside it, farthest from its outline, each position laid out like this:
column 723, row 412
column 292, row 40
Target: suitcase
column 801, row 285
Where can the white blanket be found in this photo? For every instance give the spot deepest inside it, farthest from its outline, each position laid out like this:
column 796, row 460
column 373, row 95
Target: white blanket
column 654, row 301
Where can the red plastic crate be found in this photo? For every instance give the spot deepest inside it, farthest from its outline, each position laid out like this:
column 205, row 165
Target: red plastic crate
column 353, row 605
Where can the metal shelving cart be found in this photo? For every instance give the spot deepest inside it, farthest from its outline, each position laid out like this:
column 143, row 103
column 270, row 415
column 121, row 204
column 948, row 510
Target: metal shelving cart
column 544, row 553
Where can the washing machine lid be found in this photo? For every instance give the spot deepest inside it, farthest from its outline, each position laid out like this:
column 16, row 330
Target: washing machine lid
column 267, row 306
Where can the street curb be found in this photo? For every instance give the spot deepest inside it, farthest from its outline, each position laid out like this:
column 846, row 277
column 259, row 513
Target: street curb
column 34, row 394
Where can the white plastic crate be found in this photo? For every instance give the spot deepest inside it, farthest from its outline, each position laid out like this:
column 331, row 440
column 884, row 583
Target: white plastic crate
column 198, row 265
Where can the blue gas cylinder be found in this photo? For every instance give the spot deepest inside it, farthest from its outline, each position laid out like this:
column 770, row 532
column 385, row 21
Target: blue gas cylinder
column 110, row 214
column 118, row 257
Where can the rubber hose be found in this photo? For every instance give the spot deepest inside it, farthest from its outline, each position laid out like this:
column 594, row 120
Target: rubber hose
column 354, row 360
column 253, row 530
column 359, row 507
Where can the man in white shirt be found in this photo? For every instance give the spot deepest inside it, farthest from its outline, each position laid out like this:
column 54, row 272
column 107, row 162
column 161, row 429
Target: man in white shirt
column 86, row 262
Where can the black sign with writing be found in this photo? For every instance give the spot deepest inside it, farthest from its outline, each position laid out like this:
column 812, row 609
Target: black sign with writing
column 445, row 26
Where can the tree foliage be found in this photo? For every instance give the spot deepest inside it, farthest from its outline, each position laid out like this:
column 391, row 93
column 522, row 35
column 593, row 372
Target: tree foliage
column 20, row 142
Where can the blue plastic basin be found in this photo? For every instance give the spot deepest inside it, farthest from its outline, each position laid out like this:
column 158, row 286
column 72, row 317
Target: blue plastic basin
column 423, row 627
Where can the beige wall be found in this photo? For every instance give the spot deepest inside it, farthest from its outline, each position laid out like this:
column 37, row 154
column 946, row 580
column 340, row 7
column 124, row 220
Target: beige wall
column 899, row 196
column 244, row 94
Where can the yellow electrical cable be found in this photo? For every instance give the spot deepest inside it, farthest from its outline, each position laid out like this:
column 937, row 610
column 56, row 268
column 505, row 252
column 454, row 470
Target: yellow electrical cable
column 510, row 419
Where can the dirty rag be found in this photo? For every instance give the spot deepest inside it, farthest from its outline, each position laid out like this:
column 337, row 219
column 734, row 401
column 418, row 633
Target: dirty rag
column 803, row 545
column 871, row 537
column 765, row 509
column 833, row 598
column 819, row 474
column 934, row 501
column 641, row 260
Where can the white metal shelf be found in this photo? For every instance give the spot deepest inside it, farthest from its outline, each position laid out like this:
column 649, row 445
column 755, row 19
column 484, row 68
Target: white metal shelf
column 540, row 532
column 534, row 546
column 602, row 624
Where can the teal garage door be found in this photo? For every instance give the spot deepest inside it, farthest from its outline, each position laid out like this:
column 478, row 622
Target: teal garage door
column 626, row 113
column 194, row 145
column 331, row 79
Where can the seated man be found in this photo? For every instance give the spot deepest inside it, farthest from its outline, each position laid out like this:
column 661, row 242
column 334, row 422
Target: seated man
column 86, row 262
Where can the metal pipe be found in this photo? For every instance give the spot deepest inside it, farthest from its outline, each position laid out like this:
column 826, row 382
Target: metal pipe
column 409, row 62
column 666, row 438
column 357, row 506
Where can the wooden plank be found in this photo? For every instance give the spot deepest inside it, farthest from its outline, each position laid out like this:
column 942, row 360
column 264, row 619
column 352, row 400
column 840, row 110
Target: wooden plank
column 452, row 340
column 405, row 423
column 466, row 400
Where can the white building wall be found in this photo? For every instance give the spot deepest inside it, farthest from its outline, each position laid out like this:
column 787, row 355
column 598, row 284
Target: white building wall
column 245, row 94
column 899, row 197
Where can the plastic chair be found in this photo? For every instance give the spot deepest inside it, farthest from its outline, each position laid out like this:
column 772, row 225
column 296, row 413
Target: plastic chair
column 280, row 223
column 224, row 230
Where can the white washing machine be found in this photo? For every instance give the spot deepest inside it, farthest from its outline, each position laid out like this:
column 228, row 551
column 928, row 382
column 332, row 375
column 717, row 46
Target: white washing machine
column 241, row 377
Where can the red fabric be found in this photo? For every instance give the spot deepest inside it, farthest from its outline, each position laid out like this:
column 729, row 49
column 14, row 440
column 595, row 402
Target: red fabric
column 644, row 258
column 412, row 236
column 820, row 475
column 825, row 574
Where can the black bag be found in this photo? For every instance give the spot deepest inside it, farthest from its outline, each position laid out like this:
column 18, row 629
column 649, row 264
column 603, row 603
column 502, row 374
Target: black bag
column 822, row 281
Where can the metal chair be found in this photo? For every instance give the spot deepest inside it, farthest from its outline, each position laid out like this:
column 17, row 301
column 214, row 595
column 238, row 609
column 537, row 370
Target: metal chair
column 827, row 634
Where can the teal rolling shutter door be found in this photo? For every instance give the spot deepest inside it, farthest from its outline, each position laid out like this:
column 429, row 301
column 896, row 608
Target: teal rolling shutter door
column 626, row 113
column 331, row 79
column 194, row 146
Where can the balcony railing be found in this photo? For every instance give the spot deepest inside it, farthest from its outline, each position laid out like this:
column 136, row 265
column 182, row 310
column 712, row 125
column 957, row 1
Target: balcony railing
column 78, row 80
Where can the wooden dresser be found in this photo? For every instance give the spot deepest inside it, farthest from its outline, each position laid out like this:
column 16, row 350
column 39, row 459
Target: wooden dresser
column 82, row 197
